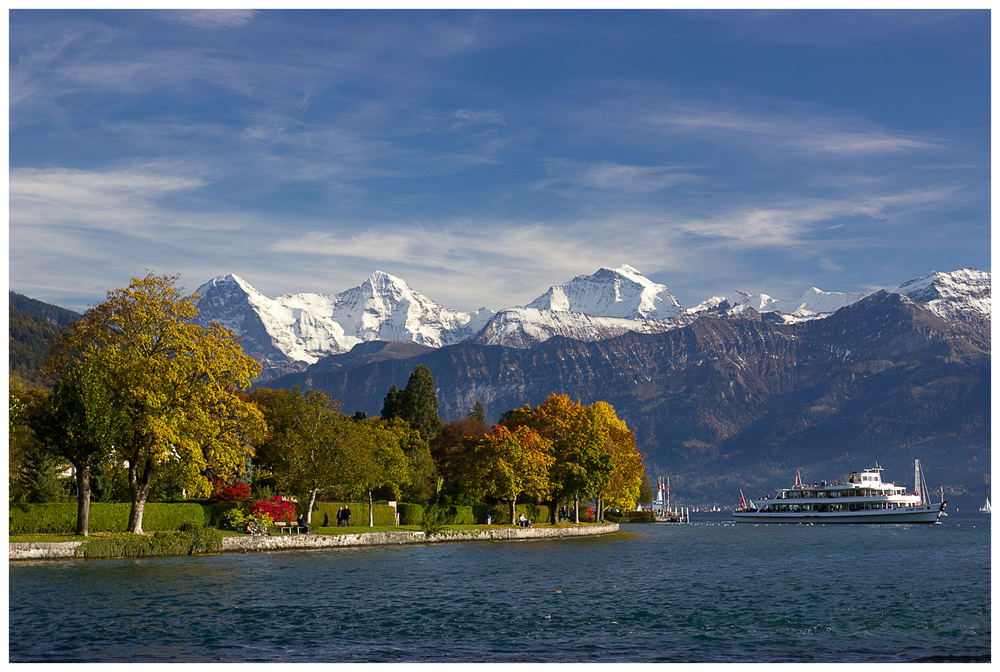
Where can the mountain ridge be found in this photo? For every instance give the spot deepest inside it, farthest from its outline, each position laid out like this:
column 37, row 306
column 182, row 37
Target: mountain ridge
column 296, row 330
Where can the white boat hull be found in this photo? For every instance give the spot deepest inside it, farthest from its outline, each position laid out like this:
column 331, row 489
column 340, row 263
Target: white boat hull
column 913, row 514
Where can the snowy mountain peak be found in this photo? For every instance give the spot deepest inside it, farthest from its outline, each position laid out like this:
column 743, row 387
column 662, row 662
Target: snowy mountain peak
column 225, row 283
column 813, row 302
column 611, row 292
column 382, row 284
column 299, row 329
column 962, row 295
column 308, row 326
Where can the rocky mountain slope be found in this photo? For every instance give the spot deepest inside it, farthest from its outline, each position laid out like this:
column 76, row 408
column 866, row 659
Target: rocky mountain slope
column 731, row 401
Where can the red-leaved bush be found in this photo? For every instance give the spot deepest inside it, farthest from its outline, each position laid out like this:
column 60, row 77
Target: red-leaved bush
column 277, row 508
column 229, row 492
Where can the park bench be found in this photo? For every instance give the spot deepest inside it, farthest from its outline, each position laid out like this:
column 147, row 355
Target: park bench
column 289, row 528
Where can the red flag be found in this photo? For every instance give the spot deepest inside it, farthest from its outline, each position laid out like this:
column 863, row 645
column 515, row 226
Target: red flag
column 743, row 503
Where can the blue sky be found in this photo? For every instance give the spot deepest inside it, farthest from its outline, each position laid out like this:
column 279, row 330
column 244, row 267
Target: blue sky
column 484, row 156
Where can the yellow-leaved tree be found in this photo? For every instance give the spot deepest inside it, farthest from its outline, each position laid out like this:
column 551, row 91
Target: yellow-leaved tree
column 621, row 489
column 581, row 466
column 174, row 383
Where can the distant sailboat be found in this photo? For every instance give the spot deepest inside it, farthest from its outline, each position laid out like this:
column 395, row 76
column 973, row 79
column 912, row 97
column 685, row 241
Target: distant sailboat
column 985, row 508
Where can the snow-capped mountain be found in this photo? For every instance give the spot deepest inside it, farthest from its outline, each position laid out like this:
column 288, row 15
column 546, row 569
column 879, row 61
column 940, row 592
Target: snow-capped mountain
column 959, row 296
column 302, row 328
column 619, row 292
column 812, row 304
column 527, row 327
column 296, row 330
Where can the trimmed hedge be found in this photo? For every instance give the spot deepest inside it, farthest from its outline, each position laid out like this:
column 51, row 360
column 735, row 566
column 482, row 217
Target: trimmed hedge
column 61, row 518
column 538, row 514
column 458, row 515
column 630, row 517
column 325, row 514
column 410, row 514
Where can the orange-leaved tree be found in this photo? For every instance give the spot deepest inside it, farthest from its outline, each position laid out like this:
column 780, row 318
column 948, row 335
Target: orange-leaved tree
column 509, row 464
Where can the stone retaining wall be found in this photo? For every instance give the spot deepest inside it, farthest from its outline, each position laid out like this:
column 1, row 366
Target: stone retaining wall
column 36, row 550
column 283, row 541
column 43, row 550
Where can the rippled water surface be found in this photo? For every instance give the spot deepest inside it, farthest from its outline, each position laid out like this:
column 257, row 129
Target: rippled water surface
column 709, row 591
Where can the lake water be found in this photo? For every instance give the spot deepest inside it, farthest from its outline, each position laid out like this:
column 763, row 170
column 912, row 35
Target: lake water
column 709, row 591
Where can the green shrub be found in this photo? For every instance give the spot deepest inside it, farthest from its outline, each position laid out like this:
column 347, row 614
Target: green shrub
column 538, row 514
column 216, row 512
column 458, row 515
column 409, row 514
column 630, row 516
column 434, row 519
column 499, row 513
column 61, row 518
column 194, row 541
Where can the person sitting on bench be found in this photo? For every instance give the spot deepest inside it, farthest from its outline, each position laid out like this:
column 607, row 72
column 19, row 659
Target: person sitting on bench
column 302, row 524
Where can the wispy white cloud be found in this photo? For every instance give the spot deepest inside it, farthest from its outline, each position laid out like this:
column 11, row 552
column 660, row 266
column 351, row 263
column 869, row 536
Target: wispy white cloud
column 800, row 128
column 212, row 19
column 618, row 177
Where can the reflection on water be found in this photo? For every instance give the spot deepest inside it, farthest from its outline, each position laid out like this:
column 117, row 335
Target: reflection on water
column 704, row 592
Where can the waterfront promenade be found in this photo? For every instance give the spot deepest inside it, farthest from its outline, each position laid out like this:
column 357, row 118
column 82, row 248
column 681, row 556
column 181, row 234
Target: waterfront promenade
column 252, row 544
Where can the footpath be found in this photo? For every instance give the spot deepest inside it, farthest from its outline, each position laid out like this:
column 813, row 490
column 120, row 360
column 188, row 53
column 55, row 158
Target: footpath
column 60, row 550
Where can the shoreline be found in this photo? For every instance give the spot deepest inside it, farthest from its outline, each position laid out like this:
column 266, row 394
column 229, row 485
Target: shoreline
column 66, row 550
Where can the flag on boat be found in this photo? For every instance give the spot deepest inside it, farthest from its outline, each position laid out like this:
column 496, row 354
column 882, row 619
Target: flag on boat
column 743, row 502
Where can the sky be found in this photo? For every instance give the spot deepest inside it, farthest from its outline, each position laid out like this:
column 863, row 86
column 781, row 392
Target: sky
column 484, row 156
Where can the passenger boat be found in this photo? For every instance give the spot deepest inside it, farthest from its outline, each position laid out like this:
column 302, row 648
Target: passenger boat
column 853, row 498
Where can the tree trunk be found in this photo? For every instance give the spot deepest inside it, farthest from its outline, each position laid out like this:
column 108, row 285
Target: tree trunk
column 139, row 489
column 371, row 511
column 312, row 503
column 576, row 507
column 552, row 511
column 513, row 510
column 82, row 499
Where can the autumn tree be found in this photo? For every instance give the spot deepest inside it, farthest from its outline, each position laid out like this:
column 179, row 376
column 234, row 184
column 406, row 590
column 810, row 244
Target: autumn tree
column 510, row 464
column 581, row 465
column 619, row 488
column 78, row 421
column 173, row 382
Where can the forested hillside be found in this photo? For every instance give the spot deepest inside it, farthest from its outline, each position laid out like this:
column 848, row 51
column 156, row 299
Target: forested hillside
column 33, row 327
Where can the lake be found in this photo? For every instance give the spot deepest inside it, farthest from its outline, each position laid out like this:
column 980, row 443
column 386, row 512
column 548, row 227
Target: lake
column 711, row 591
